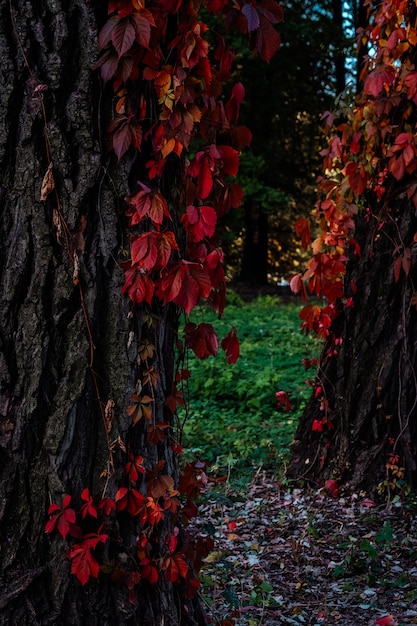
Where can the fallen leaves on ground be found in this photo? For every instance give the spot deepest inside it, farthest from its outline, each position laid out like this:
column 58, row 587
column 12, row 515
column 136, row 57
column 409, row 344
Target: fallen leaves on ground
column 303, row 557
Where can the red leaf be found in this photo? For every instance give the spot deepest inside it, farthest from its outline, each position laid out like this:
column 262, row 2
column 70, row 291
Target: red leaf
column 108, row 63
column 83, row 564
column 251, row 14
column 121, row 136
column 232, row 106
column 283, row 401
column 144, row 204
column 138, row 285
column 317, row 426
column 149, row 571
column 105, row 34
column 129, row 499
column 184, row 283
column 199, row 221
column 202, row 339
column 153, row 250
column 397, row 268
column 268, row 40
column 230, row 160
column 230, row 344
column 357, row 177
column 302, row 228
column 88, row 508
column 205, row 179
column 142, row 24
column 387, row 620
column 123, row 36
column 62, row 519
column 378, row 79
column 236, row 195
column 272, row 11
column 406, row 261
column 332, row 487
column 107, row 505
column 175, row 567
column 134, row 467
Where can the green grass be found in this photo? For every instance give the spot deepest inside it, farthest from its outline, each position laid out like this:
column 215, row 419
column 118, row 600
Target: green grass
column 233, row 418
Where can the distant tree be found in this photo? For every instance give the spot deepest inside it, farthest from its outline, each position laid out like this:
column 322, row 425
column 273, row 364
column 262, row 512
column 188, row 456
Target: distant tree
column 283, row 110
column 360, row 426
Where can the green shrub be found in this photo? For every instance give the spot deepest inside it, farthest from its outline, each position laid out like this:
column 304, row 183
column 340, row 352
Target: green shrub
column 233, row 415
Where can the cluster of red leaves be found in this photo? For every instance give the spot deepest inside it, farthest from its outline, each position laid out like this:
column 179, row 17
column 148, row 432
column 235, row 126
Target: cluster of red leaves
column 186, row 82
column 370, row 143
column 149, row 509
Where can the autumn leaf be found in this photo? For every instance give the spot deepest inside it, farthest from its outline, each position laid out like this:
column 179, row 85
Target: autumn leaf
column 83, row 564
column 153, row 249
column 146, row 349
column 229, row 159
column 156, row 432
column 140, row 407
column 332, row 487
column 175, row 567
column 143, row 20
column 252, row 17
column 202, row 339
column 386, row 620
column 232, row 106
column 134, row 467
column 283, row 401
column 184, row 283
column 148, row 570
column 62, row 519
column 138, row 285
column 88, row 507
column 144, row 204
column 230, row 344
column 268, row 40
column 380, row 78
column 48, row 183
column 302, row 229
column 130, row 500
column 199, row 222
column 357, row 177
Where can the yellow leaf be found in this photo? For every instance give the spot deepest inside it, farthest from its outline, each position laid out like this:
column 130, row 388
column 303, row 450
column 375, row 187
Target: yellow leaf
column 213, row 557
column 48, row 183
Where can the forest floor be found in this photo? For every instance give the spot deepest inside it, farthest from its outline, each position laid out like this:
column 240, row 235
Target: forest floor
column 302, row 557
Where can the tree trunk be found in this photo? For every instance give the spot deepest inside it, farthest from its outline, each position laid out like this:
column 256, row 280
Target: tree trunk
column 369, row 386
column 66, row 345
column 361, row 21
column 339, row 61
column 255, row 250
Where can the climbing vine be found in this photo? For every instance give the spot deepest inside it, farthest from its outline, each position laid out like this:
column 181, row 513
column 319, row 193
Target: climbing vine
column 176, row 128
column 368, row 161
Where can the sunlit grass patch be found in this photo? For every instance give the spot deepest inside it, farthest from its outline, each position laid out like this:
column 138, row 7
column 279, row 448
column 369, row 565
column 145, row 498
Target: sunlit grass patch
column 233, row 416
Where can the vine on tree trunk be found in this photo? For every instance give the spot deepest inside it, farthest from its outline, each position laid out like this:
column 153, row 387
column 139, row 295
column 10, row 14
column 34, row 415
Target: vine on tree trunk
column 368, row 184
column 179, row 136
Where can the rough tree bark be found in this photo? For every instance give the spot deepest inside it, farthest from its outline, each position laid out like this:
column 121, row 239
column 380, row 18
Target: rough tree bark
column 370, row 385
column 52, row 437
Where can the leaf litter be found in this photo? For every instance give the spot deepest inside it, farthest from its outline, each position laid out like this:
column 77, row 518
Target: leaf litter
column 304, row 557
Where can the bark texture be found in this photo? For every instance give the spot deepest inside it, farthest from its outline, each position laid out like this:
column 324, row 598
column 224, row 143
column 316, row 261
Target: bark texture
column 52, row 437
column 370, row 386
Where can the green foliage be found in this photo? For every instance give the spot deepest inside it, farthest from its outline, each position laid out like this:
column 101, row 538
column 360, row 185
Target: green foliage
column 283, row 111
column 233, row 417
